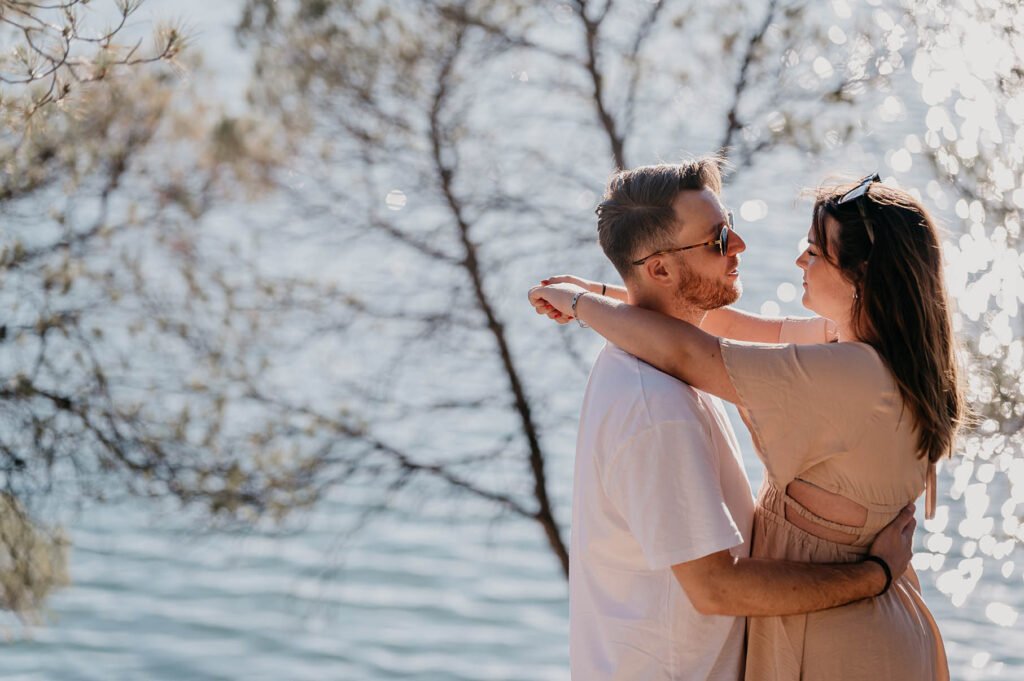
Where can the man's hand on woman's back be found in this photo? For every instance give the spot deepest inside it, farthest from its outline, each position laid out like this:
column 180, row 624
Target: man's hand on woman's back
column 895, row 543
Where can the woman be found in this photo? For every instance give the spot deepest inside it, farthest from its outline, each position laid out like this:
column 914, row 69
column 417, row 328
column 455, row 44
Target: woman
column 848, row 431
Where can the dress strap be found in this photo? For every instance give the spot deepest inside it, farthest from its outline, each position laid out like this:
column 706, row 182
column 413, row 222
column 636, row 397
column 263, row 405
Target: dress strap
column 929, row 492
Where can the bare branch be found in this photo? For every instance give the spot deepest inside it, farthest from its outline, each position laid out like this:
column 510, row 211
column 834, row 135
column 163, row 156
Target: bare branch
column 733, row 123
column 591, row 34
column 633, row 59
column 471, row 265
column 458, row 14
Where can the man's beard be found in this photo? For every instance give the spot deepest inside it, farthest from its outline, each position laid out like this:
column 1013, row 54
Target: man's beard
column 705, row 294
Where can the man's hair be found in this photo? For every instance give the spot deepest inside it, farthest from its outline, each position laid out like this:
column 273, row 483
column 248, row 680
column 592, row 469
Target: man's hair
column 636, row 216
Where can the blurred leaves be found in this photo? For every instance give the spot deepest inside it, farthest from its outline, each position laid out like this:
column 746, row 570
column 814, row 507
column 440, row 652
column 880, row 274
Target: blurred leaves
column 33, row 561
column 136, row 336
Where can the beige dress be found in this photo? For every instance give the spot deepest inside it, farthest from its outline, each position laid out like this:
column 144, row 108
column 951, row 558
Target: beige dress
column 831, row 415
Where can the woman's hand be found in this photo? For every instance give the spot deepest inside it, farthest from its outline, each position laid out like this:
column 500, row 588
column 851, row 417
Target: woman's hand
column 555, row 300
column 591, row 286
column 669, row 344
column 610, row 290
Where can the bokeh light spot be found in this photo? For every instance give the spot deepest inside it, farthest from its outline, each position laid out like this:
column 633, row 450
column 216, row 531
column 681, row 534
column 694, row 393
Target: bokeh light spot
column 396, row 199
column 752, row 211
column 1002, row 614
column 786, row 292
column 900, row 161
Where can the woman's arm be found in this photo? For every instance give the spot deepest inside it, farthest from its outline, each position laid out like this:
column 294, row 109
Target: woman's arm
column 601, row 288
column 676, row 347
column 728, row 322
column 725, row 322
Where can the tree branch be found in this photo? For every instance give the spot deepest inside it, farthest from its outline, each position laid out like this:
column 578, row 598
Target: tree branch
column 740, row 87
column 591, row 30
column 646, row 27
column 474, row 271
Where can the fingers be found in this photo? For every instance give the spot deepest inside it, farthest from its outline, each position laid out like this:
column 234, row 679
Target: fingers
column 541, row 298
column 906, row 517
column 541, row 306
column 558, row 316
column 909, row 528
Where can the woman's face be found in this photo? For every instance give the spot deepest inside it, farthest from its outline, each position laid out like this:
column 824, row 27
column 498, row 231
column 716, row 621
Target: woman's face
column 826, row 292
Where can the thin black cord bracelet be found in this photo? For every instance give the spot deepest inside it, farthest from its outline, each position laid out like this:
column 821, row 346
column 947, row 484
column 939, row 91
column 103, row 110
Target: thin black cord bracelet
column 604, row 287
column 888, row 572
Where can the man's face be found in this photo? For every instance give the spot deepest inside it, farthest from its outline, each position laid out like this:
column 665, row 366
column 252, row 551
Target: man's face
column 707, row 280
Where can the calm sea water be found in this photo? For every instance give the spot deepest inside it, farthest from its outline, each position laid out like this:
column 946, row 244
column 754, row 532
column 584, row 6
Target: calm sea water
column 432, row 588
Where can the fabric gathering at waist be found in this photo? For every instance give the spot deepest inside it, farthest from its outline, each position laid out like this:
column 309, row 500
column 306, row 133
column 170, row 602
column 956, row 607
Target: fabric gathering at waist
column 772, row 502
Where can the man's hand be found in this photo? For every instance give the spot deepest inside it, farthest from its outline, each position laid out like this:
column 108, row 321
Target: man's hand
column 894, row 544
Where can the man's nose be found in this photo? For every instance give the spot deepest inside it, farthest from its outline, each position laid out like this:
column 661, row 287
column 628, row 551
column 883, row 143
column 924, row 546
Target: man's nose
column 736, row 244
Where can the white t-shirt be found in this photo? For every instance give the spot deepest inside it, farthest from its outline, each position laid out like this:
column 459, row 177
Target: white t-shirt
column 658, row 481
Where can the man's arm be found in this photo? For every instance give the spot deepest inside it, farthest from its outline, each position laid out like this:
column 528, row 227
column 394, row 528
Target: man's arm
column 720, row 584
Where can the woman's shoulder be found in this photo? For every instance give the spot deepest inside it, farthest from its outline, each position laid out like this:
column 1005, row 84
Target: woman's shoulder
column 848, row 364
column 821, row 370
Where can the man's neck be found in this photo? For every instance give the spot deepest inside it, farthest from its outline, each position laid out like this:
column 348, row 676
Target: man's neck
column 671, row 308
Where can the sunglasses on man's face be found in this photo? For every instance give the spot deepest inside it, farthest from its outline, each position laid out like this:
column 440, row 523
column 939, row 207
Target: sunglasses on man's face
column 860, row 190
column 722, row 242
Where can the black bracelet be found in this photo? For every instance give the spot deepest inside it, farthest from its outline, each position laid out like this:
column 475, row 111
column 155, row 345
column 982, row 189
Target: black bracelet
column 604, row 288
column 888, row 572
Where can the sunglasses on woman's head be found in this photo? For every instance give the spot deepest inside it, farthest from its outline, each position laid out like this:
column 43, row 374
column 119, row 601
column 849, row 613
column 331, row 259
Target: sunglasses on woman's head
column 860, row 190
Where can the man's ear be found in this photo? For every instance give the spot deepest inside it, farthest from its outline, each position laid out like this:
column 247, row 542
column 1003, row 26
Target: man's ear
column 659, row 271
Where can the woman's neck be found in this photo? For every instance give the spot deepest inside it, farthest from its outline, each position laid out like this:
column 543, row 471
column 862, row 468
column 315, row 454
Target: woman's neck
column 847, row 334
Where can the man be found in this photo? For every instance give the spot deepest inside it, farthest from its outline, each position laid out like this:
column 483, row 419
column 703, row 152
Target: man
column 660, row 574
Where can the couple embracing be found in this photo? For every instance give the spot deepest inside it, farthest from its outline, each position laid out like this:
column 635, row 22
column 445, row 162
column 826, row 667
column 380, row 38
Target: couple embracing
column 676, row 572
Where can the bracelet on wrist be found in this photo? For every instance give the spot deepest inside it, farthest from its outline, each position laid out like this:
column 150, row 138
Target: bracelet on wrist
column 604, row 289
column 888, row 572
column 576, row 299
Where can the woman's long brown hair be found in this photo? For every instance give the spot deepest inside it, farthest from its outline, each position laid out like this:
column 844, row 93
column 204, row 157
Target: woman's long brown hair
column 901, row 307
